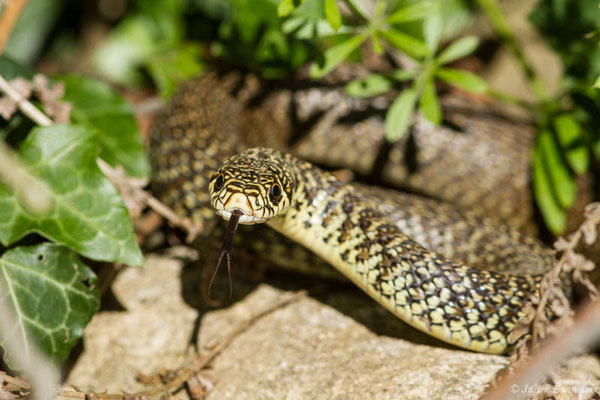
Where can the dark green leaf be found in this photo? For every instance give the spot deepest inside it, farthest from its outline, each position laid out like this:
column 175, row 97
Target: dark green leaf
column 170, row 69
column 88, row 215
column 413, row 12
column 11, row 69
column 462, row 79
column 570, row 136
column 110, row 116
column 399, row 115
column 53, row 296
column 562, row 182
column 335, row 55
column 372, row 85
column 430, row 107
column 408, row 44
column 553, row 214
column 333, row 14
column 458, row 49
column 31, row 31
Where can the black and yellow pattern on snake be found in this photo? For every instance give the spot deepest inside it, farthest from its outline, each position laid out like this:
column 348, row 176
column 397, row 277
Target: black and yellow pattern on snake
column 370, row 239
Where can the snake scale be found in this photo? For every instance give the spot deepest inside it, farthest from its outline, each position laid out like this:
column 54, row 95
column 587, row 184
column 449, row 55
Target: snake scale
column 384, row 244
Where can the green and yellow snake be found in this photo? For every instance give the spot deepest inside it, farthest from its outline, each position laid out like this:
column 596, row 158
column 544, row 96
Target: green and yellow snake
column 356, row 229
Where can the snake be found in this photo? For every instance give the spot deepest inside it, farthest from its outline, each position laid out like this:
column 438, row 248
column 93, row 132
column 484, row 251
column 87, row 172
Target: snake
column 205, row 165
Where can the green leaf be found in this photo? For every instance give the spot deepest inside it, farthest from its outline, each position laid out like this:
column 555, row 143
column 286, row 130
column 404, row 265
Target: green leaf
column 377, row 45
column 132, row 43
column 413, row 12
column 562, row 182
column 335, row 55
column 358, row 8
column 332, row 13
column 410, row 45
column 11, row 69
column 53, row 296
column 285, row 8
column 553, row 214
column 597, row 83
column 372, row 85
column 398, row 117
column 88, row 214
column 430, row 107
column 171, row 69
column 458, row 49
column 432, row 30
column 570, row 136
column 402, row 75
column 31, row 32
column 462, row 79
column 110, row 117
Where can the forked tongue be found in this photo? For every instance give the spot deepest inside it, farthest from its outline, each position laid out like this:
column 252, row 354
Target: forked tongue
column 226, row 248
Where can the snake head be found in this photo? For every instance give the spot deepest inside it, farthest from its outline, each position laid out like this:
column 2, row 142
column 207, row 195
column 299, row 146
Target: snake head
column 257, row 183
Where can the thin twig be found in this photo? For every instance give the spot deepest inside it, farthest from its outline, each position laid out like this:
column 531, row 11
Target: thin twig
column 502, row 28
column 24, row 105
column 582, row 335
column 9, row 18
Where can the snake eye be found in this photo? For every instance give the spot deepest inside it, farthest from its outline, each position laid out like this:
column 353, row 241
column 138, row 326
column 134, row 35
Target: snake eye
column 219, row 182
column 275, row 193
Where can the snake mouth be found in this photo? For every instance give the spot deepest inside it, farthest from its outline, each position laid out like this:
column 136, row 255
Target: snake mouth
column 243, row 219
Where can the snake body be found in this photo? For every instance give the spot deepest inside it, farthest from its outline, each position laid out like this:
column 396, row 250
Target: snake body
column 366, row 237
column 467, row 307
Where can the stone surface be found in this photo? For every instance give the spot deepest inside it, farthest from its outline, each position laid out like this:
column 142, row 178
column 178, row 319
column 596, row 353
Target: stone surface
column 333, row 344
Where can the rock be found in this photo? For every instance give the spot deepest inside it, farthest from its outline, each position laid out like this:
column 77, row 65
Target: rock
column 334, row 344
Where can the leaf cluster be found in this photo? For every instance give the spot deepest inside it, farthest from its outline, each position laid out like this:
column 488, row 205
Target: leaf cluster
column 51, row 291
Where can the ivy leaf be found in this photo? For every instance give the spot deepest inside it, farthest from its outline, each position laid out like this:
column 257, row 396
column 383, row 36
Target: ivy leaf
column 553, row 214
column 430, row 107
column 53, row 296
column 372, row 85
column 570, row 136
column 88, row 215
column 107, row 114
column 458, row 49
column 410, row 45
column 335, row 55
column 398, row 117
column 332, row 13
column 412, row 12
column 462, row 79
column 563, row 186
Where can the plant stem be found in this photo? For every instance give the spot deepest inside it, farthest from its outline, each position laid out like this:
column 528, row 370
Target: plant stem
column 502, row 28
